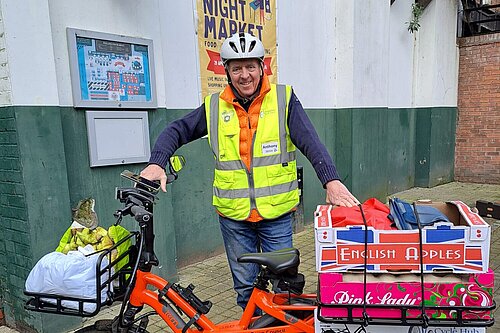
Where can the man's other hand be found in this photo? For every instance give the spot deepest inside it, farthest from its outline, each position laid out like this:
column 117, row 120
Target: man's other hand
column 338, row 194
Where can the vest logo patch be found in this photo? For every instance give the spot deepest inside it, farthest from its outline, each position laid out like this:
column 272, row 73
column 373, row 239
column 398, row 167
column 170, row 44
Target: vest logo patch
column 269, row 148
column 264, row 113
column 226, row 115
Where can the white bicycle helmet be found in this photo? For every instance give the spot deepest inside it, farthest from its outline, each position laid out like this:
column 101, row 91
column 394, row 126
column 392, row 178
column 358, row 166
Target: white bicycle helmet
column 241, row 46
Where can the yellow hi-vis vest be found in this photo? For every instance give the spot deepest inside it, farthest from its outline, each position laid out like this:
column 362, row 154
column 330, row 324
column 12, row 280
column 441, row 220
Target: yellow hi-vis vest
column 271, row 185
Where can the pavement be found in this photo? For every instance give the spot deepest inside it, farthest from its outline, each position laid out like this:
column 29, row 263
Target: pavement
column 212, row 278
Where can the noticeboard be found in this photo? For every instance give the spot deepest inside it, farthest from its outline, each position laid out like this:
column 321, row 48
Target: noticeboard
column 116, row 137
column 111, row 71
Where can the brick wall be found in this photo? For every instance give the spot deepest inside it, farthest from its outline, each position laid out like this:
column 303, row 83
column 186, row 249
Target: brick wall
column 477, row 150
column 15, row 251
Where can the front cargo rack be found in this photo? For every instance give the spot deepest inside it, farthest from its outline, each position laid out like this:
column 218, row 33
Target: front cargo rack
column 106, row 279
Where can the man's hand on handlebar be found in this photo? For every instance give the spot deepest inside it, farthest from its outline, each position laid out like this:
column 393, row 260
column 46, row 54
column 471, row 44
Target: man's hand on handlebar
column 155, row 172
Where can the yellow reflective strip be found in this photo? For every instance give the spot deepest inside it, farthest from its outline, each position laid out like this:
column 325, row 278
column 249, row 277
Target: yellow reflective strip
column 276, row 189
column 273, row 159
column 231, row 193
column 230, row 165
column 214, row 126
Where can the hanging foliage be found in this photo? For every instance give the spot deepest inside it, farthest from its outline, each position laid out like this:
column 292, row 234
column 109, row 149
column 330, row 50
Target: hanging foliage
column 416, row 13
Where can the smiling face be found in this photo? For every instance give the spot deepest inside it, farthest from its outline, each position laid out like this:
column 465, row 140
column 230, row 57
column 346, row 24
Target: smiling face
column 245, row 75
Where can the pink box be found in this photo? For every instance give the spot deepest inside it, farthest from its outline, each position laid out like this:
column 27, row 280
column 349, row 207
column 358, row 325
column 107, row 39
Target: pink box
column 461, row 246
column 473, row 290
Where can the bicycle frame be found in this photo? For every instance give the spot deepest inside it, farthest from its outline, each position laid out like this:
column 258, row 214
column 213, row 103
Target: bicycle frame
column 139, row 204
column 272, row 304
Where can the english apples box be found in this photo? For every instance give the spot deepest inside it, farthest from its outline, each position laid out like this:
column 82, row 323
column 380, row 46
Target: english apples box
column 461, row 246
column 399, row 294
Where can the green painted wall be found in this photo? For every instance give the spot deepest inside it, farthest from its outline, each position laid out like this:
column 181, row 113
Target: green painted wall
column 44, row 171
column 373, row 149
column 435, row 145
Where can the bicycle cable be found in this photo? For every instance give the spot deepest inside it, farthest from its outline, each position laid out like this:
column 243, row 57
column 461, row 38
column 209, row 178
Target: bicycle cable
column 132, row 281
column 425, row 318
column 365, row 314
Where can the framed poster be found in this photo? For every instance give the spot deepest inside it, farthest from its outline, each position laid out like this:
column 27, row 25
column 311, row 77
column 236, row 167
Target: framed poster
column 117, row 137
column 111, row 71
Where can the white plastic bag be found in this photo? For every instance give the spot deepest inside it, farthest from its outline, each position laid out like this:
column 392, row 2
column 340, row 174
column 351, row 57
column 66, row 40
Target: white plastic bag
column 70, row 274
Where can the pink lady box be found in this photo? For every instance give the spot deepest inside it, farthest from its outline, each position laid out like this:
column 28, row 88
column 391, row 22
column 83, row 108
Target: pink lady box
column 402, row 293
column 461, row 246
column 322, row 327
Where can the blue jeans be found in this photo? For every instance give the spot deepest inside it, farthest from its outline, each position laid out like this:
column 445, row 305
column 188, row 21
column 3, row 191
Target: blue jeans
column 251, row 237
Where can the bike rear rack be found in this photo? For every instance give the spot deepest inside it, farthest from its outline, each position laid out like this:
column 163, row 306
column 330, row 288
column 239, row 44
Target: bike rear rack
column 51, row 303
column 403, row 317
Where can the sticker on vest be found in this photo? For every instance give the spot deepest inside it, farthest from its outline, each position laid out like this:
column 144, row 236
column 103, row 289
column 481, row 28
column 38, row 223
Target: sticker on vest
column 226, row 115
column 269, row 148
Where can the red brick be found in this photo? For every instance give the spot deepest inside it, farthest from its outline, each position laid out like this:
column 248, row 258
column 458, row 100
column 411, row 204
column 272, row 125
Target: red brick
column 477, row 148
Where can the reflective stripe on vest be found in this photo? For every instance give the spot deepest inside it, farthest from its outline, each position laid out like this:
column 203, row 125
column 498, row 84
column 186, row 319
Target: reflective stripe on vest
column 272, row 186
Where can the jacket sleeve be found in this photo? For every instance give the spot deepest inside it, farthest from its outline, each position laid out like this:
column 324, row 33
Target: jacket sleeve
column 179, row 132
column 305, row 138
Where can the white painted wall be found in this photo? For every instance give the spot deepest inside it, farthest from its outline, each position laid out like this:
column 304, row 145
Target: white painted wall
column 436, row 56
column 306, row 50
column 336, row 54
column 5, row 86
column 343, row 87
column 371, row 53
column 30, row 52
column 400, row 55
column 180, row 54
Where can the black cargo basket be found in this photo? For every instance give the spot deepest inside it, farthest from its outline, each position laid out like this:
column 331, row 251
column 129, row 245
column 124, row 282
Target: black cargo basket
column 402, row 318
column 51, row 303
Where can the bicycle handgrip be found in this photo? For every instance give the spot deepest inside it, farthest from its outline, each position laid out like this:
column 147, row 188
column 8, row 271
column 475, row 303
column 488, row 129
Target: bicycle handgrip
column 171, row 178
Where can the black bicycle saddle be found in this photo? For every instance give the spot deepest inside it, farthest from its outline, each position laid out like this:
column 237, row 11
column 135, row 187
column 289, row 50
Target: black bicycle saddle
column 276, row 261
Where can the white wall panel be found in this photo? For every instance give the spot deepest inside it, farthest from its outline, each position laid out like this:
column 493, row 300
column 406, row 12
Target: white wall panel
column 436, row 76
column 306, row 54
column 371, row 53
column 180, row 53
column 400, row 55
column 343, row 87
column 30, row 51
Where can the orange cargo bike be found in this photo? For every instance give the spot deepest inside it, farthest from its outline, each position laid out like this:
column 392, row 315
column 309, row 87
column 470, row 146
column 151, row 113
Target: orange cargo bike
column 135, row 286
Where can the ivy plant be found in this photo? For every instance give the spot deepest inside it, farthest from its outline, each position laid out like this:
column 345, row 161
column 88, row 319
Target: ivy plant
column 416, row 13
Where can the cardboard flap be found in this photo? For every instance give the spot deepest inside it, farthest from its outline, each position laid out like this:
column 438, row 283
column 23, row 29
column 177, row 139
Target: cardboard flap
column 478, row 227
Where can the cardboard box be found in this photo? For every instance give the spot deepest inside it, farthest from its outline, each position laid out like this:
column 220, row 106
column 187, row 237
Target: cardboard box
column 402, row 293
column 460, row 247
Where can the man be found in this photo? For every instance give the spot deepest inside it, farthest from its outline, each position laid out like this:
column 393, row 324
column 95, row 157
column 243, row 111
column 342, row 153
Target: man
column 253, row 130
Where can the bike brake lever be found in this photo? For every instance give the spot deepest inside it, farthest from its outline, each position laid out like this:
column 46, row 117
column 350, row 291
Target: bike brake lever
column 119, row 213
column 119, row 217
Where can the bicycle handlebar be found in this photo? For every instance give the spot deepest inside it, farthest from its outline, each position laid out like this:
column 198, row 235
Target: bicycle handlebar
column 138, row 203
